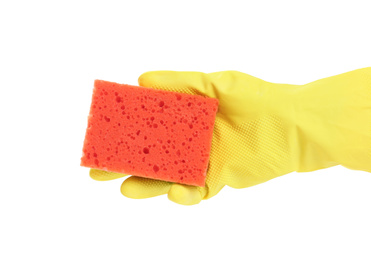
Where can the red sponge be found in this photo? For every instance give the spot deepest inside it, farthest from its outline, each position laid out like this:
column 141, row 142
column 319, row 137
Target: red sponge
column 150, row 133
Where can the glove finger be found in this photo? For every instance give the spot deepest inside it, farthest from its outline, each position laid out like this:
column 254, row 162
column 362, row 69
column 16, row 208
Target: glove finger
column 100, row 175
column 142, row 188
column 186, row 195
column 196, row 83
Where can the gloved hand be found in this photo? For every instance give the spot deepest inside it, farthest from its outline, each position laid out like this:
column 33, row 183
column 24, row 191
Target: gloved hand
column 264, row 130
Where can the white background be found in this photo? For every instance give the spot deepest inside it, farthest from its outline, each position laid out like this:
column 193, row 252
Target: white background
column 49, row 57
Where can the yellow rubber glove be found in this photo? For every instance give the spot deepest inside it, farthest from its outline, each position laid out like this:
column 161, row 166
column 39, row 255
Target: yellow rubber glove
column 264, row 130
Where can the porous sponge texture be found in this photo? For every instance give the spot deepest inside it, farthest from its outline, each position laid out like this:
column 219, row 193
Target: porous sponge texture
column 149, row 133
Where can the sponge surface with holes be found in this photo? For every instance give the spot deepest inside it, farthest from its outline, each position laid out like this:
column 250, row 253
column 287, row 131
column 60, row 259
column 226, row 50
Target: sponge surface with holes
column 149, row 133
